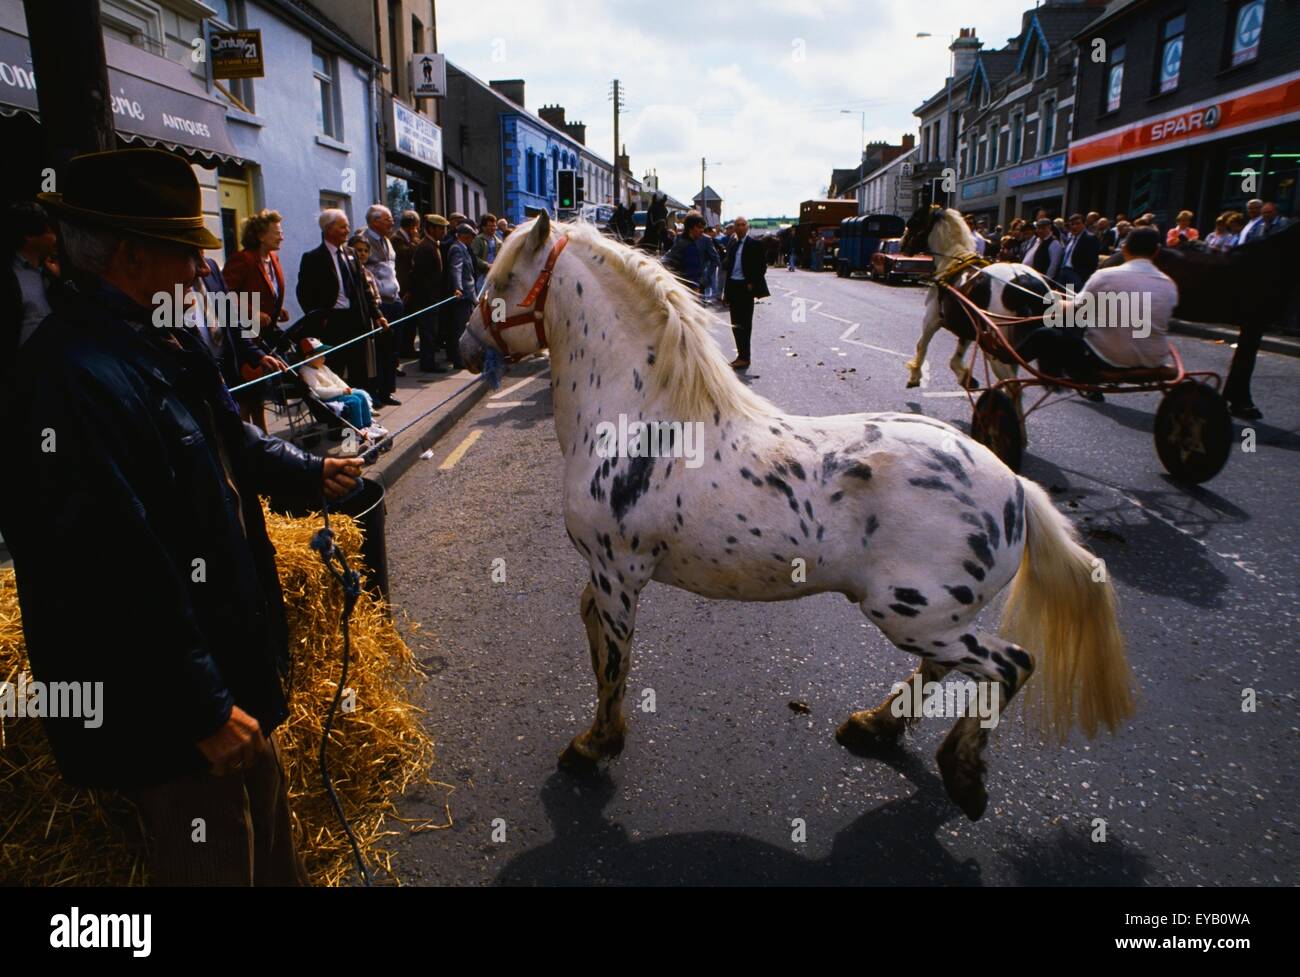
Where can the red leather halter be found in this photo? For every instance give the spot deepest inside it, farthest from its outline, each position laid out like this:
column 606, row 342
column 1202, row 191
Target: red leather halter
column 534, row 301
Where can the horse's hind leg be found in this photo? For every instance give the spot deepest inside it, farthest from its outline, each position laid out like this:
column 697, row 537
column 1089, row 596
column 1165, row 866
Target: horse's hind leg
column 1004, row 668
column 609, row 618
column 965, row 377
column 871, row 731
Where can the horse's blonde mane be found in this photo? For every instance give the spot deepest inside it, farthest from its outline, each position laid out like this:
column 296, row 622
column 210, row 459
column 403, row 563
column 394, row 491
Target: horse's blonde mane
column 689, row 367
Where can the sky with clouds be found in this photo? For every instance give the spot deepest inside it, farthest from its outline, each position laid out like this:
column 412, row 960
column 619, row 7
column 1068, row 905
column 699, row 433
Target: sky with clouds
column 757, row 87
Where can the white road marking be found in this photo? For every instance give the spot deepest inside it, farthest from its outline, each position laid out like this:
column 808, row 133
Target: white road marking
column 835, row 317
column 505, row 403
column 458, row 452
column 945, row 393
column 513, row 387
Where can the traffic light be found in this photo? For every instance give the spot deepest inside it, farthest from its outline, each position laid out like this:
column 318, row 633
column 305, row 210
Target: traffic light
column 582, row 189
column 568, row 190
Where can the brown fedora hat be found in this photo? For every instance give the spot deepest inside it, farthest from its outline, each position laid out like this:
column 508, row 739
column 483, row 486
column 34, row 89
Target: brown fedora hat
column 146, row 192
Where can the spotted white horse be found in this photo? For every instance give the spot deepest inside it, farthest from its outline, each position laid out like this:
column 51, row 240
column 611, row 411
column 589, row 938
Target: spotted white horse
column 904, row 515
column 1001, row 288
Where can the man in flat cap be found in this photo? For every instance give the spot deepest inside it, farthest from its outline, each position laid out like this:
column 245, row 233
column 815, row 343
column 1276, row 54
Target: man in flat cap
column 137, row 535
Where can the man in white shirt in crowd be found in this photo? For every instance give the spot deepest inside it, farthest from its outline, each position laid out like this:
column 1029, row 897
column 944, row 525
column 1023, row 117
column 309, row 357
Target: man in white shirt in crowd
column 1045, row 252
column 1254, row 214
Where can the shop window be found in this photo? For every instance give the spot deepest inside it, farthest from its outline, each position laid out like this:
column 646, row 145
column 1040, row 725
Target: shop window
column 1114, row 92
column 1245, row 28
column 1170, row 62
column 400, row 195
column 1151, row 193
column 1280, row 175
column 325, row 69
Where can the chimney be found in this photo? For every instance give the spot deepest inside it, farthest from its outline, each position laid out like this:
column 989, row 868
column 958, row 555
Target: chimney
column 577, row 131
column 964, row 50
column 909, row 142
column 623, row 164
column 554, row 114
column 511, row 88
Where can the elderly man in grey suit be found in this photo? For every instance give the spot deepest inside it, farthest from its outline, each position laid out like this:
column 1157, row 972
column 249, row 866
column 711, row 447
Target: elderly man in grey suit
column 460, row 280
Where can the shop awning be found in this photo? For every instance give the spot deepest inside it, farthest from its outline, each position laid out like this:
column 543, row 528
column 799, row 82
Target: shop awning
column 155, row 101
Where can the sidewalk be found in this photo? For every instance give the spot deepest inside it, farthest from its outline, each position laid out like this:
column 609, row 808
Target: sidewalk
column 1273, row 342
column 418, row 392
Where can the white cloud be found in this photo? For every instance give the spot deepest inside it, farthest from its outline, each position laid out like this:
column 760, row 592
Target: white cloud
column 723, row 81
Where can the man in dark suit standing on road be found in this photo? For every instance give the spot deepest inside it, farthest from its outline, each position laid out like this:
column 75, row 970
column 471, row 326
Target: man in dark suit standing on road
column 330, row 286
column 745, row 269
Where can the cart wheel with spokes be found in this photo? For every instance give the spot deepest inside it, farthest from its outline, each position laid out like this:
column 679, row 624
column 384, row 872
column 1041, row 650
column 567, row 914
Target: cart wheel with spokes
column 996, row 426
column 1193, row 432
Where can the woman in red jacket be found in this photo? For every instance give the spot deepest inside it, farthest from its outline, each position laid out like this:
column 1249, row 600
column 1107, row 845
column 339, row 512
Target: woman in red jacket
column 256, row 269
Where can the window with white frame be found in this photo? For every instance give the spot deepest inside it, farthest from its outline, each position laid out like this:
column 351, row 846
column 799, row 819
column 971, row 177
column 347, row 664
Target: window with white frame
column 1047, row 125
column 1016, row 142
column 325, row 72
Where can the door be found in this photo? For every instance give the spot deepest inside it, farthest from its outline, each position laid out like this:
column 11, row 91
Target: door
column 236, row 207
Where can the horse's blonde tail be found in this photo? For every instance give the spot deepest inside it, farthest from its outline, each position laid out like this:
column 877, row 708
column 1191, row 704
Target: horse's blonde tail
column 1061, row 609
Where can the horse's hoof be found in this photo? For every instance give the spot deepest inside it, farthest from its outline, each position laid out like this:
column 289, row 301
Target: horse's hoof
column 863, row 740
column 913, row 383
column 971, row 383
column 575, row 761
column 964, row 782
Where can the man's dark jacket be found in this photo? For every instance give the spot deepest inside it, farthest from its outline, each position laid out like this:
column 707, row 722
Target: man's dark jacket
column 318, row 289
column 1084, row 257
column 137, row 535
column 428, row 281
column 752, row 264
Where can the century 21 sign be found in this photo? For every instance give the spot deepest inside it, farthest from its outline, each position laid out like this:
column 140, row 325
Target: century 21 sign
column 236, row 54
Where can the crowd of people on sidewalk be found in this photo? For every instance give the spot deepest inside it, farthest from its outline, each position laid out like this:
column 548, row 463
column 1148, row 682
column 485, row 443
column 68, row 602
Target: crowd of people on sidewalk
column 360, row 293
column 1068, row 250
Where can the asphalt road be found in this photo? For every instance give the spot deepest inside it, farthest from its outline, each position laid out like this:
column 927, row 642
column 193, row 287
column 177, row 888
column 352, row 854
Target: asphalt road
column 1196, row 791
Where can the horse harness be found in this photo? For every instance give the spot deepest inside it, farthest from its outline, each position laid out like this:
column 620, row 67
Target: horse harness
column 534, row 303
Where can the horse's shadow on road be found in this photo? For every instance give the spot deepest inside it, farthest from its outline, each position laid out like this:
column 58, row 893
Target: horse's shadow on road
column 894, row 844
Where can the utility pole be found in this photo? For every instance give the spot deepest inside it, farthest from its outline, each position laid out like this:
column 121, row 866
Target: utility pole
column 68, row 57
column 702, row 167
column 618, row 104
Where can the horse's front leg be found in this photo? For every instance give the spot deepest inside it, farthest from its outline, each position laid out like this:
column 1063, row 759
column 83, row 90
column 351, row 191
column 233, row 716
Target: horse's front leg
column 609, row 618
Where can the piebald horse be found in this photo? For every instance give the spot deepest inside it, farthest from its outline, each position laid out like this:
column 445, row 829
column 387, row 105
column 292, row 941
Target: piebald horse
column 1002, row 288
column 904, row 515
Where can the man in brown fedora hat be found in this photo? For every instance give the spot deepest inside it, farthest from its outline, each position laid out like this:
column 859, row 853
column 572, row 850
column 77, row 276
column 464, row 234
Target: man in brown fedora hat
column 137, row 534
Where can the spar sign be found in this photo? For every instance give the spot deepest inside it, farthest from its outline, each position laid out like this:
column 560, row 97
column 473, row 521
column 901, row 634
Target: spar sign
column 1268, row 103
